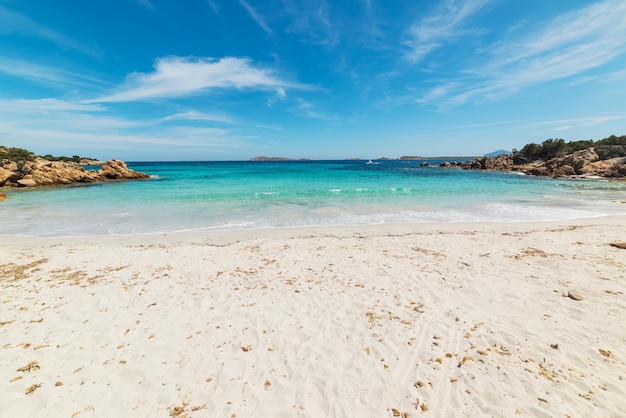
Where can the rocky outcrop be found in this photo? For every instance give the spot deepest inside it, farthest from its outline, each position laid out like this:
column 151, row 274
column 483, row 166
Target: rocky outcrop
column 42, row 172
column 583, row 163
column 117, row 170
column 501, row 162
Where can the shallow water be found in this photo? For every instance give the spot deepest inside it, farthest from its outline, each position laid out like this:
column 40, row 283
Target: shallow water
column 242, row 195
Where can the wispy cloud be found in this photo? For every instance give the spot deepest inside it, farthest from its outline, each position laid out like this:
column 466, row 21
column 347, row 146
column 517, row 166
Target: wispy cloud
column 213, row 7
column 14, row 22
column 308, row 110
column 443, row 27
column 147, row 4
column 22, row 106
column 199, row 116
column 46, row 75
column 177, row 77
column 312, row 20
column 256, row 16
column 582, row 122
column 48, row 125
column 568, row 45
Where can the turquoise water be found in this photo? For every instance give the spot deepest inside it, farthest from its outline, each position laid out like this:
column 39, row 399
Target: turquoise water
column 245, row 195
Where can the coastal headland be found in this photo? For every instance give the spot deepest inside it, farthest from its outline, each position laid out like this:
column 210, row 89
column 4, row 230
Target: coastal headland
column 21, row 168
column 483, row 319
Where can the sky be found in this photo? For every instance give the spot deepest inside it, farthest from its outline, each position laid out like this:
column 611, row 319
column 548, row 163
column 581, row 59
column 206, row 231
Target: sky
column 166, row 80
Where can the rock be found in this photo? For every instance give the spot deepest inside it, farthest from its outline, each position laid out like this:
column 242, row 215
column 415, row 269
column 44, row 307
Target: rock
column 501, row 162
column 5, row 175
column 10, row 165
column 608, row 162
column 574, row 295
column 27, row 182
column 621, row 245
column 579, row 159
column 3, row 197
column 43, row 172
column 117, row 170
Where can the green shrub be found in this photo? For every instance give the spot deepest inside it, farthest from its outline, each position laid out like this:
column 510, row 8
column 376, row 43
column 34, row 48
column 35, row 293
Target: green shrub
column 18, row 155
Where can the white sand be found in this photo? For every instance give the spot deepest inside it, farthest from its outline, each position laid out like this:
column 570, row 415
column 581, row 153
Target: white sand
column 408, row 320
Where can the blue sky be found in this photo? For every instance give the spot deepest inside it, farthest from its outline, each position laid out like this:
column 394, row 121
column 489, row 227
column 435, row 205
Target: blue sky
column 233, row 79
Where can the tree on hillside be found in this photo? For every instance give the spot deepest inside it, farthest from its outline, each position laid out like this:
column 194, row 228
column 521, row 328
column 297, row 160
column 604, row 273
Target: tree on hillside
column 613, row 140
column 552, row 148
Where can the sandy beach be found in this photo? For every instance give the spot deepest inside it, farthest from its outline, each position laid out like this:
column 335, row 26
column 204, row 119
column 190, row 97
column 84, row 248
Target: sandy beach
column 469, row 320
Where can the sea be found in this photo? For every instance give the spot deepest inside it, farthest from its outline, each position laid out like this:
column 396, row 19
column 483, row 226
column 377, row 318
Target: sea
column 196, row 196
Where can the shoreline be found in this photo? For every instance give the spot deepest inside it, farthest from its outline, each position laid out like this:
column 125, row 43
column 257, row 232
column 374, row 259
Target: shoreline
column 228, row 236
column 374, row 320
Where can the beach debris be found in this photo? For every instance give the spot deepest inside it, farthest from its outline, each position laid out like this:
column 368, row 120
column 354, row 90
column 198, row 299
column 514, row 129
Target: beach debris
column 621, row 245
column 246, row 348
column 419, row 383
column 555, row 346
column 32, row 388
column 267, row 385
column 606, row 353
column 178, row 410
column 465, row 360
column 574, row 295
column 33, row 365
column 397, row 413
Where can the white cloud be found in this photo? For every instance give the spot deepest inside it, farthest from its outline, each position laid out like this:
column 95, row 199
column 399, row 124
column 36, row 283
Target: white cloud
column 570, row 44
column 177, row 77
column 441, row 28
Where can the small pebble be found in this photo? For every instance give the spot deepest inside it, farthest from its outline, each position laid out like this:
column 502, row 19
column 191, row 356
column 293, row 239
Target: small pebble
column 574, row 295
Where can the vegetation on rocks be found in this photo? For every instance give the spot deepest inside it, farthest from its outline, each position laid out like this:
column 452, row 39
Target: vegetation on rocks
column 610, row 147
column 20, row 155
column 22, row 168
column 17, row 155
column 557, row 158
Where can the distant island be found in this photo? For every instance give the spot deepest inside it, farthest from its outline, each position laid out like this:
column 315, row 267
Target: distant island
column 496, row 153
column 264, row 158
